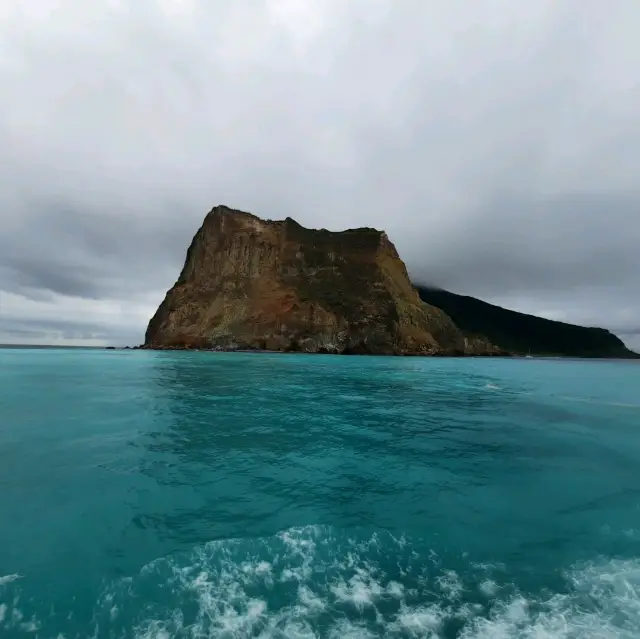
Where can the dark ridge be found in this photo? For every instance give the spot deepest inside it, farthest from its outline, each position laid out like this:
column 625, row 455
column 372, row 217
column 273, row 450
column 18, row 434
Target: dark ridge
column 365, row 239
column 522, row 333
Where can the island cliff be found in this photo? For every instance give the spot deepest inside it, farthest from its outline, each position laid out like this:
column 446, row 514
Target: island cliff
column 249, row 283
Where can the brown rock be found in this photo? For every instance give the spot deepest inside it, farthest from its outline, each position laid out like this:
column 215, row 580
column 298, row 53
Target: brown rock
column 252, row 284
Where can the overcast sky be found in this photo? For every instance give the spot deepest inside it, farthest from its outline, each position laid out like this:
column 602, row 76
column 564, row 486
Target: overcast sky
column 497, row 142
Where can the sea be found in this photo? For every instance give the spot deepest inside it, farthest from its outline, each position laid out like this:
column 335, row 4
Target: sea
column 155, row 495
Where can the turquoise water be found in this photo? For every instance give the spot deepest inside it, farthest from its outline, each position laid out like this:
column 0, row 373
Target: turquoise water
column 158, row 494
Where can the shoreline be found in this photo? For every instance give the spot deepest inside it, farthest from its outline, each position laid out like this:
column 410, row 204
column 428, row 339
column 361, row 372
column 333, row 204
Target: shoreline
column 501, row 355
column 320, row 352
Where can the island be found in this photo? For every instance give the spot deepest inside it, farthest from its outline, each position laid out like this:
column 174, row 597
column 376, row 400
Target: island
column 254, row 284
column 261, row 285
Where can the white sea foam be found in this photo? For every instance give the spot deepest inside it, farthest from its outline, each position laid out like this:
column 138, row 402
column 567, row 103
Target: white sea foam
column 310, row 600
column 351, row 588
column 7, row 579
column 450, row 584
column 424, row 621
column 604, row 604
column 488, row 587
column 307, row 584
column 350, row 591
column 395, row 589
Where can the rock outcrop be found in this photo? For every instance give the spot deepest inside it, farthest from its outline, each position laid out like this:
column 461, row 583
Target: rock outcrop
column 249, row 283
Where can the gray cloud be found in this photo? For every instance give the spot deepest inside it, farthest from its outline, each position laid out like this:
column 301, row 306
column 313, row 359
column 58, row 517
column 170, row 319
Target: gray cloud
column 553, row 244
column 497, row 142
column 34, row 330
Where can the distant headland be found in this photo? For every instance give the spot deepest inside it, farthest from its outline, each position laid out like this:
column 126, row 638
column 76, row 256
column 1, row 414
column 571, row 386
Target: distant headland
column 525, row 334
column 254, row 284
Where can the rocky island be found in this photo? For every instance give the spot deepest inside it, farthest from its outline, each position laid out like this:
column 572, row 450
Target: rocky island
column 254, row 284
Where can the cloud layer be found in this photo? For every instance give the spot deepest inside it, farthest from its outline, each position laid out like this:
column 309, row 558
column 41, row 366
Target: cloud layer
column 496, row 142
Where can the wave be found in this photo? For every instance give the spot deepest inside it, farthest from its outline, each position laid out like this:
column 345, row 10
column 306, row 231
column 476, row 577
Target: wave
column 315, row 582
column 598, row 402
column 7, row 579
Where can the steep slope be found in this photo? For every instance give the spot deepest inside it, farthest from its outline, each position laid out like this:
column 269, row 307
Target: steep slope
column 522, row 333
column 255, row 284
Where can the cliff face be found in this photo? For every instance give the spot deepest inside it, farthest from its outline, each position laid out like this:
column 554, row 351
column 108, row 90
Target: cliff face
column 256, row 284
column 522, row 333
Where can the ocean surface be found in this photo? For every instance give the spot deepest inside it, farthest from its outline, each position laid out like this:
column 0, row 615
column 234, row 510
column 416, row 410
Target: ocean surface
column 158, row 494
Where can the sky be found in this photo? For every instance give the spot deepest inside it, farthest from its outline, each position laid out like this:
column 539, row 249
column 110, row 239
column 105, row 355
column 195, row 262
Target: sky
column 497, row 143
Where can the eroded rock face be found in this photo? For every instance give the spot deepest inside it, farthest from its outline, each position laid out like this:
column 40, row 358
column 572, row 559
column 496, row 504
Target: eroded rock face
column 255, row 284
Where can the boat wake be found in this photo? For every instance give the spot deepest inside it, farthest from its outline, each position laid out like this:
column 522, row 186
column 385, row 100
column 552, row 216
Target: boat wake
column 312, row 582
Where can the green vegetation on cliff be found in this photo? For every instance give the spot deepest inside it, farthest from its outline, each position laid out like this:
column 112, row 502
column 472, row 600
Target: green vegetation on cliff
column 522, row 333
